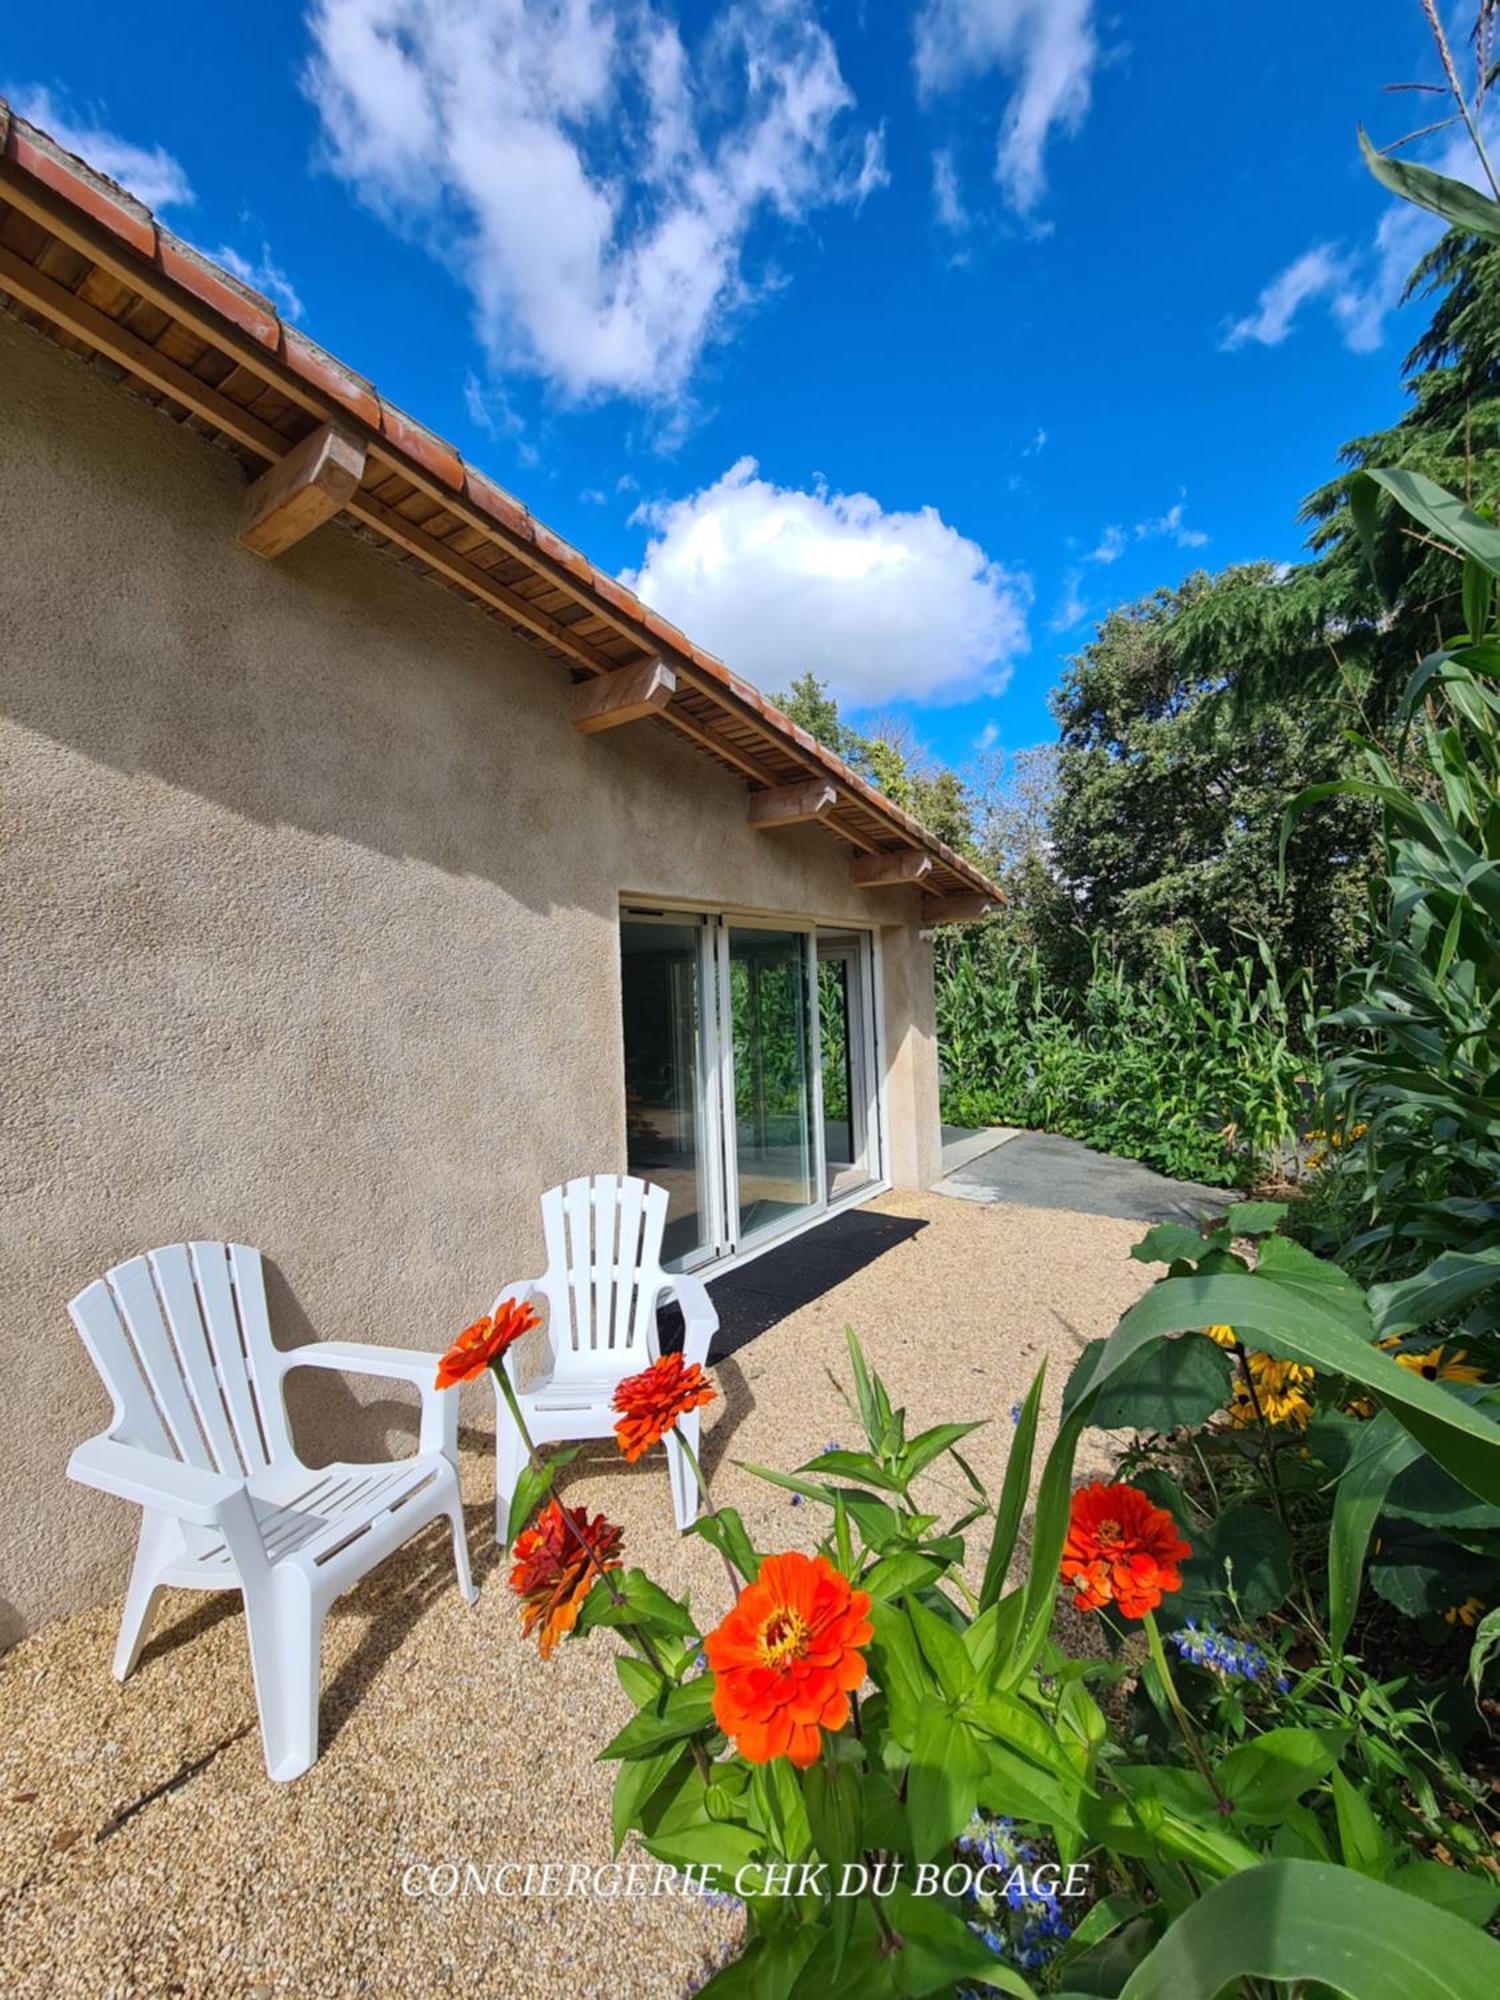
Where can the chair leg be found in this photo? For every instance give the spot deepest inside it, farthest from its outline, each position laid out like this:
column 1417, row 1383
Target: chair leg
column 683, row 1481
column 461, row 1552
column 159, row 1539
column 510, row 1458
column 286, row 1631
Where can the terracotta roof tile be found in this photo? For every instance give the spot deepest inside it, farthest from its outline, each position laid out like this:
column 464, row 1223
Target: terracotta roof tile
column 432, row 453
column 498, row 504
column 218, row 289
column 324, row 371
column 100, row 198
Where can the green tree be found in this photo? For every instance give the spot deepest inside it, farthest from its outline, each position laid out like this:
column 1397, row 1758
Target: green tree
column 1166, row 827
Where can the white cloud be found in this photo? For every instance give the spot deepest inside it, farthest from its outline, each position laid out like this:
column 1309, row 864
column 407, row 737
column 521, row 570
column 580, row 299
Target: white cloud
column 1313, row 275
column 1073, row 606
column 987, row 738
column 150, row 173
column 1171, row 526
column 1362, row 286
column 883, row 606
column 1111, row 546
column 589, row 178
column 1048, row 48
column 265, row 274
column 947, row 202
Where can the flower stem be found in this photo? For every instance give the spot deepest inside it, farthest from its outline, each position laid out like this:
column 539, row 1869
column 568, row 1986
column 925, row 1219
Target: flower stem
column 736, row 1581
column 1174, row 1702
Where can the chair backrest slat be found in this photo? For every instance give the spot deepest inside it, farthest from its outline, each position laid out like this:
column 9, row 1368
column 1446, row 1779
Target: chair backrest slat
column 603, row 1240
column 140, row 1309
column 187, row 1320
column 182, row 1339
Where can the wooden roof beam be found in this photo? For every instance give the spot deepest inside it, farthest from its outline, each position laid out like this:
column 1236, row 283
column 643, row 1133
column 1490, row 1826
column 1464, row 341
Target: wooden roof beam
column 626, row 695
column 891, row 871
column 301, row 491
column 958, row 909
column 793, row 805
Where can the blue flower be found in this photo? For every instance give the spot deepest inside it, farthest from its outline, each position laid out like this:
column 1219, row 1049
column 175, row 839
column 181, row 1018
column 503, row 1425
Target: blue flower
column 796, row 1499
column 1221, row 1653
column 1015, row 1413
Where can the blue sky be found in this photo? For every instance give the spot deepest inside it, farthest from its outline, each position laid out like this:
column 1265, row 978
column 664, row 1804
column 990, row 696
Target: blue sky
column 894, row 338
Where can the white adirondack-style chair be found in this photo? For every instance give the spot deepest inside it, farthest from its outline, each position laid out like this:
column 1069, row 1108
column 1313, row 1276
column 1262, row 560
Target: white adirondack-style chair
column 602, row 1287
column 200, row 1440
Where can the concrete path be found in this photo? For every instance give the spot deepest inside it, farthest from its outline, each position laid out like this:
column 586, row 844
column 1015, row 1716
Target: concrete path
column 1037, row 1170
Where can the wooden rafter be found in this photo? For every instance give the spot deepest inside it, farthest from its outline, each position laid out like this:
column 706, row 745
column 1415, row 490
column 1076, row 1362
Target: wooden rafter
column 793, row 805
column 890, row 871
column 301, row 491
column 626, row 695
column 958, row 909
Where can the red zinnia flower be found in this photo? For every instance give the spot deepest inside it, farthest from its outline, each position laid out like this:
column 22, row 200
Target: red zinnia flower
column 1120, row 1550
column 553, row 1572
column 785, row 1662
column 485, row 1341
column 653, row 1401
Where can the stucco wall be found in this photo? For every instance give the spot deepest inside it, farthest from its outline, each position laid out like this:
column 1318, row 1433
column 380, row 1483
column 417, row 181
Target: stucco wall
column 311, row 900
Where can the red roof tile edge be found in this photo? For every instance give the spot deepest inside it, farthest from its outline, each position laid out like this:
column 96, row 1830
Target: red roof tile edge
column 222, row 296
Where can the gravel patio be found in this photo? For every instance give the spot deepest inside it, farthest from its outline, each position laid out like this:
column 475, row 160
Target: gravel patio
column 142, row 1848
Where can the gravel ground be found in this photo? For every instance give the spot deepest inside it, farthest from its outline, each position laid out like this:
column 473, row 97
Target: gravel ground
column 143, row 1851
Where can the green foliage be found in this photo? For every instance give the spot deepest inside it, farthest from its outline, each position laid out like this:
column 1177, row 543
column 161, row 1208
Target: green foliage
column 1168, row 811
column 1195, row 1071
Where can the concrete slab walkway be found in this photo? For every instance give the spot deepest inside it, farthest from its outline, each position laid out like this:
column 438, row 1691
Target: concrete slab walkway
column 1040, row 1170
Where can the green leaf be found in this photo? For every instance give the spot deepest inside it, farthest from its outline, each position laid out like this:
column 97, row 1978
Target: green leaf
column 637, row 1780
column 930, row 1444
column 833, row 1795
column 1256, row 1218
column 1245, row 1549
column 1478, row 594
column 1362, row 1845
column 1010, row 1721
column 725, row 1530
column 1448, row 1283
column 1015, row 1786
column 1486, row 1639
column 1175, row 1382
column 943, row 1649
column 1462, row 206
column 1013, row 1493
column 1383, row 1451
column 1265, row 1776
column 531, row 1488
column 855, row 1465
column 864, row 1394
column 676, row 1713
column 1328, row 1329
column 1305, row 1921
column 1169, row 1242
column 942, row 1783
column 1473, row 1897
column 1443, row 513
column 893, row 1576
column 641, row 1603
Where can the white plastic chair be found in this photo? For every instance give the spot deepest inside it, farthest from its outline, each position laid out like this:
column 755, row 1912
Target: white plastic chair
column 200, row 1440
column 603, row 1284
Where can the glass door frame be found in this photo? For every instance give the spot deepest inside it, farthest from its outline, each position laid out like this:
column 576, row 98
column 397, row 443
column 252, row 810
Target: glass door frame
column 708, row 1100
column 856, row 948
column 723, row 1246
column 755, row 1239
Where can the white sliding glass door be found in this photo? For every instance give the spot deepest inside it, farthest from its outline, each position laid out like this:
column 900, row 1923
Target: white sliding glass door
column 750, row 1073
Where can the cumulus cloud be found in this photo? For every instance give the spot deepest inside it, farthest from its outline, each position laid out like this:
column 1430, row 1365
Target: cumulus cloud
column 1049, row 49
column 589, row 177
column 883, row 606
column 150, row 173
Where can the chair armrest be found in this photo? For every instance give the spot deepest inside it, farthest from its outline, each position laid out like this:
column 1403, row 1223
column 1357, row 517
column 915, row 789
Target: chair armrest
column 151, row 1479
column 439, row 1430
column 700, row 1321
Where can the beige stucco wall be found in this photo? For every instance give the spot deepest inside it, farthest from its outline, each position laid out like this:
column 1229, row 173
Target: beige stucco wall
column 310, row 932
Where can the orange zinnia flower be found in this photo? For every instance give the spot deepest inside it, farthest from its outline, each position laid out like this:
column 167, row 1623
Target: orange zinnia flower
column 553, row 1572
column 652, row 1402
column 1120, row 1550
column 785, row 1660
column 483, row 1342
